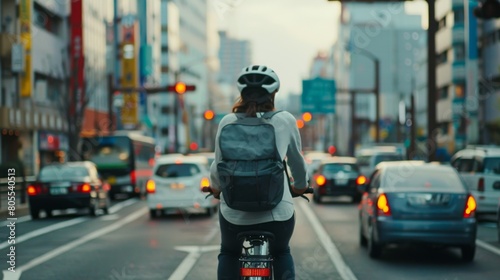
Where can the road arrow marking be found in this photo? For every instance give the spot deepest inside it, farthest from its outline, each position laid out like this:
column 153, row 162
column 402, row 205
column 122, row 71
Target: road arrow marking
column 190, row 260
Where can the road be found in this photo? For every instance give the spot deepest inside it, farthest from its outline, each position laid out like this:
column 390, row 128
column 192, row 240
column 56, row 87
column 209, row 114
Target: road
column 128, row 245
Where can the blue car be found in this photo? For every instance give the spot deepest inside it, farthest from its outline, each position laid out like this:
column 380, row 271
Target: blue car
column 409, row 202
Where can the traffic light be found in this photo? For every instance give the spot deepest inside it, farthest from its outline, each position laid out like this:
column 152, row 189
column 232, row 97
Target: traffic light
column 300, row 124
column 181, row 88
column 209, row 115
column 307, row 117
column 488, row 9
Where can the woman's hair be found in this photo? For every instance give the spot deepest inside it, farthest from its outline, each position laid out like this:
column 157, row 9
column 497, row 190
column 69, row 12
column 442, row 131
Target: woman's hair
column 252, row 101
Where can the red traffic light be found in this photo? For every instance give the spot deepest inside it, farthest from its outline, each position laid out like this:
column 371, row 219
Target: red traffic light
column 209, row 115
column 181, row 88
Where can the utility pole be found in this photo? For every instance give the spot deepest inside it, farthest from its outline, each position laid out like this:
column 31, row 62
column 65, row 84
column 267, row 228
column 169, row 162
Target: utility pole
column 431, row 83
column 377, row 100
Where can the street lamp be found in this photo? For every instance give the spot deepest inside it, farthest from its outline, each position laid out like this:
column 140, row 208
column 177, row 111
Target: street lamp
column 376, row 89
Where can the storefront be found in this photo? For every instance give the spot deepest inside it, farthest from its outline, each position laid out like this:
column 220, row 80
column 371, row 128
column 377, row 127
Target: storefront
column 52, row 147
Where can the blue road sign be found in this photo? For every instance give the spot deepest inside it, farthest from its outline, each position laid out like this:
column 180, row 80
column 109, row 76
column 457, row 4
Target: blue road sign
column 318, row 96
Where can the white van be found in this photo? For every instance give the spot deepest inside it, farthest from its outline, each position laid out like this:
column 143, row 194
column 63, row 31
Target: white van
column 480, row 168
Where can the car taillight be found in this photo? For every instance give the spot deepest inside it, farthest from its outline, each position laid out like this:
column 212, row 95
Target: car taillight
column 255, row 272
column 383, row 205
column 133, row 177
column 150, row 186
column 83, row 188
column 480, row 185
column 361, row 180
column 470, row 207
column 204, row 183
column 320, row 180
column 34, row 189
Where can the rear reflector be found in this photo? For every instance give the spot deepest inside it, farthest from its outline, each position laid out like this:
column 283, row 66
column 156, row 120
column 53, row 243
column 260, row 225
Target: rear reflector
column 255, row 272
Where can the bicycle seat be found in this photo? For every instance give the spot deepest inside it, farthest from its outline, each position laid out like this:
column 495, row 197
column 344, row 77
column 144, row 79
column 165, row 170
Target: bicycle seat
column 255, row 234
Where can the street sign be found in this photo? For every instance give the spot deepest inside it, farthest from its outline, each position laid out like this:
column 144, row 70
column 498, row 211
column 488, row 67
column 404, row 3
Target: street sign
column 318, row 96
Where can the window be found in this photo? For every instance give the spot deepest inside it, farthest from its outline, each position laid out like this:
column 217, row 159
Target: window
column 464, row 164
column 63, row 173
column 177, row 170
column 458, row 15
column 337, row 167
column 443, row 92
column 492, row 165
column 442, row 57
column 46, row 20
column 459, row 51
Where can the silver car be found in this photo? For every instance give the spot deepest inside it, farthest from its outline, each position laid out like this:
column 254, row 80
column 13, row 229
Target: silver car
column 176, row 186
column 419, row 203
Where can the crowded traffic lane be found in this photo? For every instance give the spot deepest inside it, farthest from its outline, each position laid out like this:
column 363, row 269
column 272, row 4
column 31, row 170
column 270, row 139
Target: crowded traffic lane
column 340, row 219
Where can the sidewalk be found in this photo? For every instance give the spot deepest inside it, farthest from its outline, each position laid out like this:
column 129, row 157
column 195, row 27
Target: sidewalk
column 21, row 210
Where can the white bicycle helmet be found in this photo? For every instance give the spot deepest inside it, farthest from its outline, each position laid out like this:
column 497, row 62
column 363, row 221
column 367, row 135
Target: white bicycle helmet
column 258, row 76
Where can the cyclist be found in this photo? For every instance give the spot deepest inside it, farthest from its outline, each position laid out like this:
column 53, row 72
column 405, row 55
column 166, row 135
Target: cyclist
column 258, row 86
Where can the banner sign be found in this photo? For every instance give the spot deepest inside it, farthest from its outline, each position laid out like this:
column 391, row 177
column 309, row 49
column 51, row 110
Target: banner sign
column 26, row 79
column 130, row 73
column 77, row 62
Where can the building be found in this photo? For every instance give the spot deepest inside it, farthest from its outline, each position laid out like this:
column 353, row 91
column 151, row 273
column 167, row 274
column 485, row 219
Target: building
column 370, row 32
column 489, row 83
column 234, row 54
column 33, row 83
column 87, row 58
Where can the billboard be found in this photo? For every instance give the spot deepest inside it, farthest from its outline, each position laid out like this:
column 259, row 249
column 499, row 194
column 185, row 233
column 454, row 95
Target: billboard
column 130, row 73
column 77, row 62
column 26, row 79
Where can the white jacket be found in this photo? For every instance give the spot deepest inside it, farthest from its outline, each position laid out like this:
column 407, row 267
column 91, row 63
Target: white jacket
column 289, row 146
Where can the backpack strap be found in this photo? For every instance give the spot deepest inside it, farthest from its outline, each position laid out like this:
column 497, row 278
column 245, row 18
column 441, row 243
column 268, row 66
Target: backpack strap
column 270, row 114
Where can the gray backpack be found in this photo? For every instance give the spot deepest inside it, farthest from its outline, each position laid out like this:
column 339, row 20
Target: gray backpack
column 251, row 172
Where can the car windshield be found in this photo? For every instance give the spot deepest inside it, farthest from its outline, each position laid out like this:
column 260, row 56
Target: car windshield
column 492, row 165
column 177, row 170
column 63, row 173
column 337, row 167
column 425, row 179
column 387, row 157
column 364, row 160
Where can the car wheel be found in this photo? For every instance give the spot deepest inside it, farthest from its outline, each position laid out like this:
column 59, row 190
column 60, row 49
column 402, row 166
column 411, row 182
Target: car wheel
column 468, row 252
column 35, row 213
column 363, row 241
column 93, row 208
column 106, row 208
column 48, row 213
column 498, row 226
column 153, row 214
column 316, row 198
column 356, row 198
column 374, row 248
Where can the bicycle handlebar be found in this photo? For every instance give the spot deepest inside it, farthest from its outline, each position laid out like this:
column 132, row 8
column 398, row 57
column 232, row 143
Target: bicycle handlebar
column 209, row 191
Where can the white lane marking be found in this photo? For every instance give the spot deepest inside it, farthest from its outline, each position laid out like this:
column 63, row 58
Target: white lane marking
column 344, row 271
column 45, row 230
column 19, row 220
column 68, row 223
column 109, row 217
column 63, row 249
column 189, row 261
column 488, row 247
column 117, row 207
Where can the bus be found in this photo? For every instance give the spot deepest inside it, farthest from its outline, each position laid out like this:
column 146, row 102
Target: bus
column 123, row 159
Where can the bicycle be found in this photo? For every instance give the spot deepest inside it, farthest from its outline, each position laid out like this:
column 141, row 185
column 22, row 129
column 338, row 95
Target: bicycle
column 256, row 262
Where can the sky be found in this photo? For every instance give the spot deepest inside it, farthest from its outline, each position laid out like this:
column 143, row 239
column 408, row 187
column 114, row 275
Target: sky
column 285, row 34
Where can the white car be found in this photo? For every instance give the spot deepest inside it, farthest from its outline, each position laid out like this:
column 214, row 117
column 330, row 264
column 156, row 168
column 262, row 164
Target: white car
column 479, row 166
column 176, row 186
